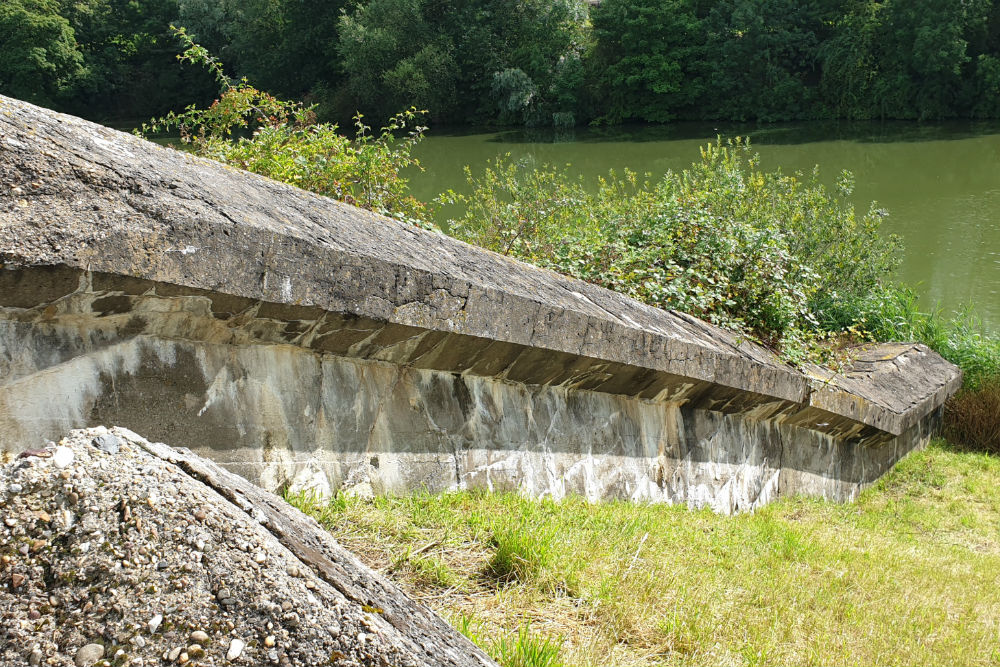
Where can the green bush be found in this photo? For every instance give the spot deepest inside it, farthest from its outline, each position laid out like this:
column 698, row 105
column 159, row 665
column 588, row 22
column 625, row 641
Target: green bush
column 780, row 258
column 763, row 253
column 256, row 131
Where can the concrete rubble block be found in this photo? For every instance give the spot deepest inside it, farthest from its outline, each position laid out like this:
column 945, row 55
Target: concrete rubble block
column 180, row 549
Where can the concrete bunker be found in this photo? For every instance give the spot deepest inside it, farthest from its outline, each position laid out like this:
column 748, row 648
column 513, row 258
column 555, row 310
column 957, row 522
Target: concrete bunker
column 201, row 306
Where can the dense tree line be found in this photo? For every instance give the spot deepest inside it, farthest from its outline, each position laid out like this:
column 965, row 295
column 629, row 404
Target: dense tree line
column 535, row 62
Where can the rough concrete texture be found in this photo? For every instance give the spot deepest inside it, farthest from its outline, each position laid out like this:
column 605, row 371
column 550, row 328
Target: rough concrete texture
column 206, row 306
column 115, row 547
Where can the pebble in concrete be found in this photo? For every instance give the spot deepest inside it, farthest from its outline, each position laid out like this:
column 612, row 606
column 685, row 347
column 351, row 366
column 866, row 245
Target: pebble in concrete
column 235, row 649
column 88, row 655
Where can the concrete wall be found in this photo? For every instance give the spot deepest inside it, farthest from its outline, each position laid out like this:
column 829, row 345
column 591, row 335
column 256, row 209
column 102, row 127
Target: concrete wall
column 302, row 341
column 282, row 415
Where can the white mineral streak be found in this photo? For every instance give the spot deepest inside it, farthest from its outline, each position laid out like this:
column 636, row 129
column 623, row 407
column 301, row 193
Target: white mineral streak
column 323, row 423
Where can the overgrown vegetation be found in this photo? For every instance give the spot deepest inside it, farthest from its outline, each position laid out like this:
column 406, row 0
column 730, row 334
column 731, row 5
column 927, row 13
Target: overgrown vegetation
column 536, row 62
column 281, row 139
column 764, row 253
column 904, row 575
column 779, row 258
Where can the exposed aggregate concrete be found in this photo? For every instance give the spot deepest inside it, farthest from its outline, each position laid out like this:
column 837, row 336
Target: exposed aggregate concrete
column 111, row 555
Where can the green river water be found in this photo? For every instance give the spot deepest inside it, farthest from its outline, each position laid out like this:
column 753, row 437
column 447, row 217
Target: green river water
column 940, row 183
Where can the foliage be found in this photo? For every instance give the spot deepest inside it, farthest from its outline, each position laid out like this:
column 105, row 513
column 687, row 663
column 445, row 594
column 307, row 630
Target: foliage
column 763, row 58
column 287, row 47
column 903, row 575
column 395, row 56
column 785, row 59
column 279, row 139
column 518, row 62
column 532, row 62
column 40, row 60
column 129, row 55
column 764, row 253
column 648, row 58
column 906, row 59
column 850, row 61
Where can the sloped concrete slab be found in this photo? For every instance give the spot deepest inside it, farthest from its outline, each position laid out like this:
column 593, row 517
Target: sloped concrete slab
column 201, row 304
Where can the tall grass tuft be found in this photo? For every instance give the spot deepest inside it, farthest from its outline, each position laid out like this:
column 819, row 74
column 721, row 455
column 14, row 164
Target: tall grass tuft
column 326, row 511
column 524, row 649
column 521, row 549
column 519, row 648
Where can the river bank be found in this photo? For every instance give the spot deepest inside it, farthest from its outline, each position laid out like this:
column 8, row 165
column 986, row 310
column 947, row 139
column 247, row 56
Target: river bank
column 938, row 182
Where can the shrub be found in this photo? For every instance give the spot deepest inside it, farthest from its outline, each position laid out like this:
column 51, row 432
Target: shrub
column 780, row 258
column 280, row 139
column 763, row 253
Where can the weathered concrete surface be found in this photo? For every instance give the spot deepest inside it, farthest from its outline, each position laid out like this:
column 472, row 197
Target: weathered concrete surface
column 198, row 304
column 124, row 531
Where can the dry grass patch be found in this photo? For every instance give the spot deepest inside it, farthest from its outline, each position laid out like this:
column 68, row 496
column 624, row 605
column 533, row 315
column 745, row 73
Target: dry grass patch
column 972, row 417
column 908, row 574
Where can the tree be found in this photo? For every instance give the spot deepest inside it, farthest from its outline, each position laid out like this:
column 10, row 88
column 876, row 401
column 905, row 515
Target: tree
column 465, row 60
column 648, row 59
column 395, row 58
column 40, row 60
column 763, row 56
column 912, row 59
column 131, row 59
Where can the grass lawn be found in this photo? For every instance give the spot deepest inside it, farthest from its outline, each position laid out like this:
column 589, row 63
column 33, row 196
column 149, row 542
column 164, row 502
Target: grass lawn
column 907, row 575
